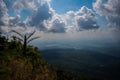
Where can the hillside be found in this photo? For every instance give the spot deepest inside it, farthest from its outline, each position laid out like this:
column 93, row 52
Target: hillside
column 16, row 66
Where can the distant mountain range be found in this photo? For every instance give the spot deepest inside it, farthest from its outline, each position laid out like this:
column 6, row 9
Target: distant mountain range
column 104, row 64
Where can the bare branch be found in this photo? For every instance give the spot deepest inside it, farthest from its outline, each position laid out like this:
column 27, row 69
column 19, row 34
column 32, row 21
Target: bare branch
column 31, row 34
column 19, row 39
column 32, row 39
column 25, row 39
column 17, row 33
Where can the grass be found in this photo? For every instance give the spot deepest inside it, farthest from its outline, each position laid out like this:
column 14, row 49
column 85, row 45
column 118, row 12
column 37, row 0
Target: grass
column 16, row 66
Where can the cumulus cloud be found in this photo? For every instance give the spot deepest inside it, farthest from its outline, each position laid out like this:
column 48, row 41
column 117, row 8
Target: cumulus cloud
column 40, row 11
column 56, row 24
column 110, row 10
column 7, row 22
column 45, row 19
column 3, row 13
column 28, row 4
column 43, row 13
column 83, row 19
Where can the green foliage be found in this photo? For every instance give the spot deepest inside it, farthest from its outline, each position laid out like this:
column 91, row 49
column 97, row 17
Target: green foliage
column 14, row 66
column 25, row 39
column 3, row 42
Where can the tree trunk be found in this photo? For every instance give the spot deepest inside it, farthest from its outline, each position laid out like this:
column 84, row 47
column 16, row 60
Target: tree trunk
column 25, row 45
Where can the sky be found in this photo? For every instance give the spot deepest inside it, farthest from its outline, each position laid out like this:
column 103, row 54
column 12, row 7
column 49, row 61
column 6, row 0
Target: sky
column 62, row 6
column 63, row 22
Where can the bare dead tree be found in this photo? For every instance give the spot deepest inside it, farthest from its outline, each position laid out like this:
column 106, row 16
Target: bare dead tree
column 25, row 39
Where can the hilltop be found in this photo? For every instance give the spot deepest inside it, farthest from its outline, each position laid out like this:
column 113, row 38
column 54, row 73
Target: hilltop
column 16, row 66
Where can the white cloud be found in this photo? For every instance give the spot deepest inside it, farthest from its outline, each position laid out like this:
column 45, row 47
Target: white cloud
column 56, row 24
column 40, row 11
column 13, row 21
column 83, row 19
column 3, row 13
column 29, row 4
column 110, row 10
column 45, row 18
column 43, row 13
